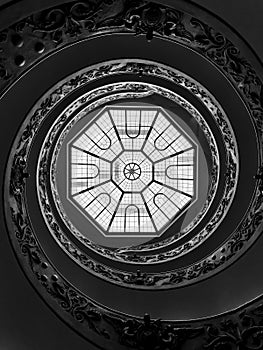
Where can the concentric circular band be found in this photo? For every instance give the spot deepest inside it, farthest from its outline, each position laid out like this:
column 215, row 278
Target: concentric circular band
column 126, row 277
column 181, row 250
column 44, row 156
column 177, row 27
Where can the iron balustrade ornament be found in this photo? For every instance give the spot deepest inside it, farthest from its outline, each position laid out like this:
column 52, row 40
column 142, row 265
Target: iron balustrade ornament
column 146, row 89
column 48, row 31
column 180, row 276
column 43, row 179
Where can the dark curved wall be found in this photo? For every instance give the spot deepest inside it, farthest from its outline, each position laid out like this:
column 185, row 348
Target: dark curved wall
column 25, row 321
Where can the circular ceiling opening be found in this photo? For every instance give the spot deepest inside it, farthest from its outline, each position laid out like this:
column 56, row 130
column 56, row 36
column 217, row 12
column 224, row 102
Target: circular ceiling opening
column 126, row 173
column 131, row 171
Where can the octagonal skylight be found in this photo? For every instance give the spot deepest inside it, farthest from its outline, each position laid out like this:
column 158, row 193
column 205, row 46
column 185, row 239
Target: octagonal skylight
column 132, row 171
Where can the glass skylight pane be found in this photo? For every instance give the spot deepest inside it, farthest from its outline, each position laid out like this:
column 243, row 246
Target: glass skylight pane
column 132, row 170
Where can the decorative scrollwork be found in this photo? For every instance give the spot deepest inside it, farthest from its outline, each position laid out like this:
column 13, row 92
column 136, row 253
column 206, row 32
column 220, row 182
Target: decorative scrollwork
column 72, row 21
column 151, row 334
column 242, row 332
column 232, row 246
column 120, row 254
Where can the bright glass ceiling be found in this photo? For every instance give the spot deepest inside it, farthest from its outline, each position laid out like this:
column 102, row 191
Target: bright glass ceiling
column 132, row 170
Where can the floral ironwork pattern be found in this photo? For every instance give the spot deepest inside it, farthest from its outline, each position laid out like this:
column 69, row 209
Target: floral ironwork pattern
column 119, row 255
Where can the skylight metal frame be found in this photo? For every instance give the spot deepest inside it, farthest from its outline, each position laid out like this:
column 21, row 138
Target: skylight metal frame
column 180, row 132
